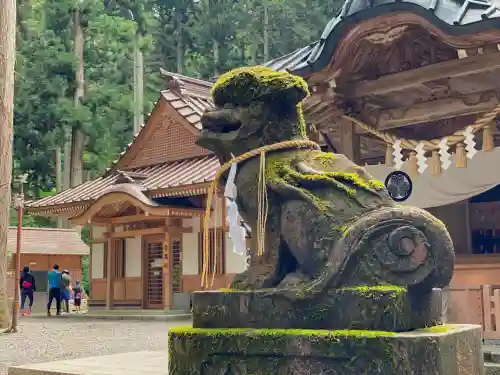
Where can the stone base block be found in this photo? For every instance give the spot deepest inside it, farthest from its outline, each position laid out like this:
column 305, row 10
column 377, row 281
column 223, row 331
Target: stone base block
column 441, row 350
column 382, row 308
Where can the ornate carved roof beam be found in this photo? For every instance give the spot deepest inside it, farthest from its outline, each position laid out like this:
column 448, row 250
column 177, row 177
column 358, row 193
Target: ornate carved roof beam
column 432, row 110
column 415, row 77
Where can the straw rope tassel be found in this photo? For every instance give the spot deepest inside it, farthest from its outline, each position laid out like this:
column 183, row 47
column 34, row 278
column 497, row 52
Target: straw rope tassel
column 488, row 138
column 389, row 158
column 435, row 163
column 262, row 197
column 216, row 215
column 460, row 156
column 262, row 205
column 413, row 164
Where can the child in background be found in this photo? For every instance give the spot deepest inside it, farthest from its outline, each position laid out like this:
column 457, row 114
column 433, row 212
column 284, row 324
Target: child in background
column 77, row 296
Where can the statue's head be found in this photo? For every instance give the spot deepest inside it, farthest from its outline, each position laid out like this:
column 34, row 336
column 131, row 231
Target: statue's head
column 254, row 107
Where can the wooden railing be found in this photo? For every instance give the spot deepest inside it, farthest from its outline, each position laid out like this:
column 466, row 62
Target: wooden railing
column 479, row 304
column 491, row 312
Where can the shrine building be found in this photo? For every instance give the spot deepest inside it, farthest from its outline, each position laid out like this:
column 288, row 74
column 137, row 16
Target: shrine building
column 146, row 212
column 409, row 86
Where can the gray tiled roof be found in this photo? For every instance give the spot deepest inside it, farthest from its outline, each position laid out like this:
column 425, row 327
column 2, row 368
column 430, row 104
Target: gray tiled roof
column 454, row 16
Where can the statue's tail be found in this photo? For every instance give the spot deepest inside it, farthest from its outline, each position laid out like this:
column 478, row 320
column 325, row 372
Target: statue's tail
column 403, row 246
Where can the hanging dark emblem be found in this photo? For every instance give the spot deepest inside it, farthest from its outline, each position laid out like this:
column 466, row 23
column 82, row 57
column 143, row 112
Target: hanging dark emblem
column 399, row 186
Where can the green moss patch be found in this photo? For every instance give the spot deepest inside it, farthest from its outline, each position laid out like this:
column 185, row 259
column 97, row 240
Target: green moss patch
column 188, row 330
column 440, row 329
column 368, row 289
column 245, row 85
column 280, row 171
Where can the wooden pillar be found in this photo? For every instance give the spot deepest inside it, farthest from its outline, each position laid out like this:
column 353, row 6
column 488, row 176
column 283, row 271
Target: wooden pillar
column 89, row 270
column 110, row 271
column 167, row 268
column 468, row 227
column 350, row 141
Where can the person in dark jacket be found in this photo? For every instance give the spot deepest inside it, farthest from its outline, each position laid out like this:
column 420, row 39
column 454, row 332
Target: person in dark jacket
column 28, row 287
column 54, row 289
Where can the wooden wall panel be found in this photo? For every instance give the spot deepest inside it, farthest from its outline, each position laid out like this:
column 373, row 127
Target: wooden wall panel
column 119, row 290
column 133, row 288
column 192, row 283
column 98, row 289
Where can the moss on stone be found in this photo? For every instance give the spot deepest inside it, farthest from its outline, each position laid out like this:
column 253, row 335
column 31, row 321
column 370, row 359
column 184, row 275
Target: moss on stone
column 243, row 86
column 440, row 329
column 302, row 121
column 189, row 330
column 279, row 171
column 248, row 84
column 325, row 158
column 366, row 289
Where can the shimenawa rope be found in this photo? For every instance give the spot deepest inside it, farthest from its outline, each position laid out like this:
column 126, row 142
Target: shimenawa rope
column 433, row 144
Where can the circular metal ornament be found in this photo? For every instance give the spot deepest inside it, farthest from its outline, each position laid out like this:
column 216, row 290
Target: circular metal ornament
column 399, row 186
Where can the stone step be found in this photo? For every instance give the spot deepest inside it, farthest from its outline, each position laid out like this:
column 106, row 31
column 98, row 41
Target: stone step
column 491, row 368
column 491, row 354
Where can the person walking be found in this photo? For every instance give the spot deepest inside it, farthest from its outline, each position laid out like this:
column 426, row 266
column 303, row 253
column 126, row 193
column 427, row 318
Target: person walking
column 54, row 289
column 66, row 289
column 28, row 287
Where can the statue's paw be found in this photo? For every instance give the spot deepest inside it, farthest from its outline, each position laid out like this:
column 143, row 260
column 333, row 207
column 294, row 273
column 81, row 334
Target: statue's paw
column 293, row 281
column 255, row 277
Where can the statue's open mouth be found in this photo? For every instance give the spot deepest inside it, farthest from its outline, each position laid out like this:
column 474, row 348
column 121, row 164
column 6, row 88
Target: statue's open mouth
column 221, row 121
column 223, row 128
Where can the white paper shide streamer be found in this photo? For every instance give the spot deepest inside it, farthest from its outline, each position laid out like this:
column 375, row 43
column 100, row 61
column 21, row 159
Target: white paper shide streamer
column 421, row 159
column 444, row 154
column 236, row 232
column 398, row 154
column 470, row 144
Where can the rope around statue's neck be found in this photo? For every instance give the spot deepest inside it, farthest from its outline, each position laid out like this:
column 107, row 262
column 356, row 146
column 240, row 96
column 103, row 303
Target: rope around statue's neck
column 262, row 203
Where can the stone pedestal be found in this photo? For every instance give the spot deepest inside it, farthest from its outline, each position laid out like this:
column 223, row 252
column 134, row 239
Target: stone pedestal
column 382, row 308
column 352, row 331
column 441, row 350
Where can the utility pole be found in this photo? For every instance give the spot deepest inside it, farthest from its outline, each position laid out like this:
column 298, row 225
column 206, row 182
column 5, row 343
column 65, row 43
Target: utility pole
column 19, row 205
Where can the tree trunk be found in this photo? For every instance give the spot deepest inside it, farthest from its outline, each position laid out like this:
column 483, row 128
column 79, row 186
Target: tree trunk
column 58, row 156
column 179, row 52
column 215, row 46
column 77, row 137
column 134, row 125
column 138, row 85
column 66, row 167
column 266, row 32
column 7, row 61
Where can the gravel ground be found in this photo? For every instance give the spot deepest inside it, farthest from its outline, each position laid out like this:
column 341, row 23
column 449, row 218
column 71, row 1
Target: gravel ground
column 47, row 340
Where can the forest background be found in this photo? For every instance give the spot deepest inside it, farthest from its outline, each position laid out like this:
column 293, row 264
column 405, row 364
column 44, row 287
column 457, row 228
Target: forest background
column 88, row 72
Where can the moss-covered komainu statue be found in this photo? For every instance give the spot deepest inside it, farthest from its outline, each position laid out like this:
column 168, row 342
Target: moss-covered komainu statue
column 329, row 224
column 345, row 282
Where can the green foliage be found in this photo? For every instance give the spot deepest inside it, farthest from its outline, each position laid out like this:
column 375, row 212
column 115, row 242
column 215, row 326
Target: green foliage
column 199, row 38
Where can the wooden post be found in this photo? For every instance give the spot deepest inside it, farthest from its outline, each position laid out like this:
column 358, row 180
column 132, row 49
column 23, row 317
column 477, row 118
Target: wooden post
column 110, row 271
column 468, row 227
column 167, row 268
column 89, row 271
column 350, row 141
